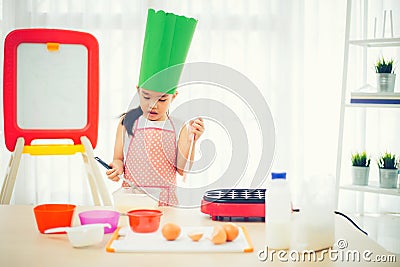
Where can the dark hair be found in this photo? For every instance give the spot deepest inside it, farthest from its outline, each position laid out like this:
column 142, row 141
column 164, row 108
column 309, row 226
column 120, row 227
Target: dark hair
column 130, row 117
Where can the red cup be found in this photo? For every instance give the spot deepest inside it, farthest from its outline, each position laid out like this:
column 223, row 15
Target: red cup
column 53, row 215
column 144, row 221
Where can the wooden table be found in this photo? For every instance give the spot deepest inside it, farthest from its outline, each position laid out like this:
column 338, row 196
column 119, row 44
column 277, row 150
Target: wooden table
column 22, row 245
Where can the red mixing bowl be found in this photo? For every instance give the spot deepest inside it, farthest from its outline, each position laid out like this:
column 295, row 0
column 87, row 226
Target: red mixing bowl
column 53, row 216
column 145, row 220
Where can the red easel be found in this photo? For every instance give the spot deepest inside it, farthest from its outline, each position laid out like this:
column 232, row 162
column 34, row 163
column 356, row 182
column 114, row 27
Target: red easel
column 22, row 125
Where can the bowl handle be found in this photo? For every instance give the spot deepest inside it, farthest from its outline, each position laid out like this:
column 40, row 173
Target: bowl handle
column 57, row 230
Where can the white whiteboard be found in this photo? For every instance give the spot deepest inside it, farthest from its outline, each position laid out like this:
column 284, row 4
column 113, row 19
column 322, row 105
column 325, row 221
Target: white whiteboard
column 52, row 86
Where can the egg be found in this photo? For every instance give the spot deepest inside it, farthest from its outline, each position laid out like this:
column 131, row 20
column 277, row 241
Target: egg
column 219, row 235
column 195, row 236
column 171, row 231
column 231, row 230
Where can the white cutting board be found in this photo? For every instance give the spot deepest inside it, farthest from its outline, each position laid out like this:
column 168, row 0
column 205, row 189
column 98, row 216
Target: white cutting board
column 124, row 240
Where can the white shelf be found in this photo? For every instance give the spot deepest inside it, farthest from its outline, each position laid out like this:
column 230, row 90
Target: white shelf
column 357, row 99
column 371, row 188
column 374, row 99
column 373, row 105
column 382, row 42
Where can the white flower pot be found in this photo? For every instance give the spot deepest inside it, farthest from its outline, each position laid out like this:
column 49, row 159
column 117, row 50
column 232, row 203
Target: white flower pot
column 385, row 82
column 360, row 175
column 388, row 178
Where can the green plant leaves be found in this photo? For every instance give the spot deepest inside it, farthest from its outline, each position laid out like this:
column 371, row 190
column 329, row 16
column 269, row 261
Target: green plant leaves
column 360, row 159
column 382, row 66
column 387, row 161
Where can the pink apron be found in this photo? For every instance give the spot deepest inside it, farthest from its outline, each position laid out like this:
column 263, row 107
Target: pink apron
column 151, row 161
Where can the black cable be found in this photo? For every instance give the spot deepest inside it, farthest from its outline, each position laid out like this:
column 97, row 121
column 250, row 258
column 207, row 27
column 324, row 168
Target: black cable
column 344, row 215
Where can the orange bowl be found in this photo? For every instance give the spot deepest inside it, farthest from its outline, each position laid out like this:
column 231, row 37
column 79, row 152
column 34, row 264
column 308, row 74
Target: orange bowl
column 144, row 221
column 53, row 215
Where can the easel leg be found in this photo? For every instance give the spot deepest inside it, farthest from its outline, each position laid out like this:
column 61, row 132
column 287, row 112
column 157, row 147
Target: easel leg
column 93, row 169
column 12, row 171
column 92, row 183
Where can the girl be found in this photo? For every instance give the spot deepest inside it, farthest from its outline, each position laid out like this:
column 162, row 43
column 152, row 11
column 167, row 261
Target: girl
column 150, row 146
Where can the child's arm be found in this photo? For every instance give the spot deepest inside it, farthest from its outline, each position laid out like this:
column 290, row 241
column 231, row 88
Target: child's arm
column 118, row 160
column 186, row 137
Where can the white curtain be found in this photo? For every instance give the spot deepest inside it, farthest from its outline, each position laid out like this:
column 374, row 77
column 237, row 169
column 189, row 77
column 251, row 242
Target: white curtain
column 291, row 49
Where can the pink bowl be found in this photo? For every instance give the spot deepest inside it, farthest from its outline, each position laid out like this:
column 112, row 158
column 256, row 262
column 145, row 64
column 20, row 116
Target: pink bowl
column 100, row 216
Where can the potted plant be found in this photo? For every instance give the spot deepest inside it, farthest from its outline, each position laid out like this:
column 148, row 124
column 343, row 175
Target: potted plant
column 360, row 168
column 385, row 75
column 387, row 171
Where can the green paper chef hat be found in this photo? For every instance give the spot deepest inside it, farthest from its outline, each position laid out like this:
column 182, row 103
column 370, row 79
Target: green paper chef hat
column 166, row 44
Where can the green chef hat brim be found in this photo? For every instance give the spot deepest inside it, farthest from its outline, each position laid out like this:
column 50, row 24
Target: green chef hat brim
column 166, row 43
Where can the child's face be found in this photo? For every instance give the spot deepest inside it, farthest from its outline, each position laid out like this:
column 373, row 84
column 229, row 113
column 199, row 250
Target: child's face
column 154, row 104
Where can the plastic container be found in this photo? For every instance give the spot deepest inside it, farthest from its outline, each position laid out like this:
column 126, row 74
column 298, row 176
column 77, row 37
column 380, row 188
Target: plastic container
column 100, row 216
column 53, row 215
column 83, row 235
column 313, row 228
column 278, row 211
column 144, row 221
column 128, row 198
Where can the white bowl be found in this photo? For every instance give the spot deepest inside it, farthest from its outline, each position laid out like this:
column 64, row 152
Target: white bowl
column 128, row 198
column 84, row 235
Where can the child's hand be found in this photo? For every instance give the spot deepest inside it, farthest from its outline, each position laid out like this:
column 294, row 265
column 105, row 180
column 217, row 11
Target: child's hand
column 117, row 167
column 196, row 127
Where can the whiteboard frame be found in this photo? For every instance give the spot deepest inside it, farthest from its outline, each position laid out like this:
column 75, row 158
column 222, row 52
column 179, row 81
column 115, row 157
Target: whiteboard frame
column 11, row 129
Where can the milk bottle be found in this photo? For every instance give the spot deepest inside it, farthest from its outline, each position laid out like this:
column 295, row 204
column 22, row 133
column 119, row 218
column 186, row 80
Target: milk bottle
column 278, row 212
